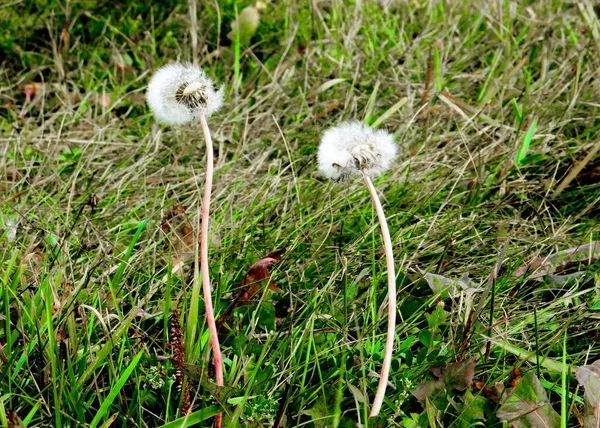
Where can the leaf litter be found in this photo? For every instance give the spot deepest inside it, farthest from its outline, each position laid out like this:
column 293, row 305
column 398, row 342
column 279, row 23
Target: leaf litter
column 253, row 282
column 451, row 376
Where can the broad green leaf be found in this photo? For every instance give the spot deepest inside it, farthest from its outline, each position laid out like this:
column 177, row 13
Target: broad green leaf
column 472, row 411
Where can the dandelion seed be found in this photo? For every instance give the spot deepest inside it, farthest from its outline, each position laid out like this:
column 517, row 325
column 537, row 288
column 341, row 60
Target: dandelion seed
column 179, row 93
column 351, row 149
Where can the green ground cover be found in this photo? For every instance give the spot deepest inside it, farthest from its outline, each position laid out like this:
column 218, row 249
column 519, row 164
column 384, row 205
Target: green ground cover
column 494, row 106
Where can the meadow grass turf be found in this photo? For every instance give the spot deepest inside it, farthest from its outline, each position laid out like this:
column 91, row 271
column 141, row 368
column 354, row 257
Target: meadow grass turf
column 494, row 107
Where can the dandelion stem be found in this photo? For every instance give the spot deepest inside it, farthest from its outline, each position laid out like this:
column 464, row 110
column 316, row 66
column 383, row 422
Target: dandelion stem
column 206, row 289
column 392, row 306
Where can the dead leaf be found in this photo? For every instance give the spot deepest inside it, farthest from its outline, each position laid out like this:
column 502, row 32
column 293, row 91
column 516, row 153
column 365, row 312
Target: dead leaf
column 589, row 377
column 528, row 406
column 458, row 375
column 258, row 272
column 252, row 283
column 14, row 421
column 542, row 266
column 430, row 389
column 180, row 236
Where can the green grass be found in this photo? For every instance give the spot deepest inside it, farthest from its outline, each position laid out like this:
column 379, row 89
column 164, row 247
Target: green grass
column 87, row 176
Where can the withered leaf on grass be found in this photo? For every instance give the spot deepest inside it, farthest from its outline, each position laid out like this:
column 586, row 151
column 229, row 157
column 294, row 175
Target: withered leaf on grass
column 180, row 236
column 589, row 377
column 259, row 272
column 587, row 253
column 13, row 420
column 430, row 389
column 458, row 375
column 528, row 406
column 252, row 283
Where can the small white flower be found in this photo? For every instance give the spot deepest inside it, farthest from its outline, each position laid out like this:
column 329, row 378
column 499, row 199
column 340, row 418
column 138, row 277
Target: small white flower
column 178, row 93
column 350, row 148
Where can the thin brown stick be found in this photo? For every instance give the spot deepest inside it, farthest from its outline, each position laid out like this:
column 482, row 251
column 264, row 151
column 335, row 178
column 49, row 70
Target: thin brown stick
column 206, row 289
column 576, row 170
column 392, row 305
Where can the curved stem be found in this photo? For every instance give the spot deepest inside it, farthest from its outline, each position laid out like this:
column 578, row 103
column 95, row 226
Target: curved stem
column 392, row 305
column 206, row 289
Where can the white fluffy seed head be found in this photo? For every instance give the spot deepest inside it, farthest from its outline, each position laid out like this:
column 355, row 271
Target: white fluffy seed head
column 350, row 148
column 178, row 93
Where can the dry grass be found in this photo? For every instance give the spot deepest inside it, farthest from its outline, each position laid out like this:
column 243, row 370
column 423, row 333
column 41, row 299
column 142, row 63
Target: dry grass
column 81, row 172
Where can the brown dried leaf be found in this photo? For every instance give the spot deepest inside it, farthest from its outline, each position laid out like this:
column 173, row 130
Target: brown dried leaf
column 252, row 283
column 180, row 236
column 458, row 375
column 587, row 253
column 429, row 389
column 259, row 272
column 14, row 421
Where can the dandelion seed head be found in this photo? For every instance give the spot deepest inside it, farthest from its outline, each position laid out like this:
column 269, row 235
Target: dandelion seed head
column 352, row 148
column 178, row 93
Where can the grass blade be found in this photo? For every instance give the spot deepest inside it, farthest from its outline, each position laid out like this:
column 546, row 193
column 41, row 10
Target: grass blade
column 193, row 418
column 390, row 112
column 548, row 363
column 522, row 152
column 115, row 390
